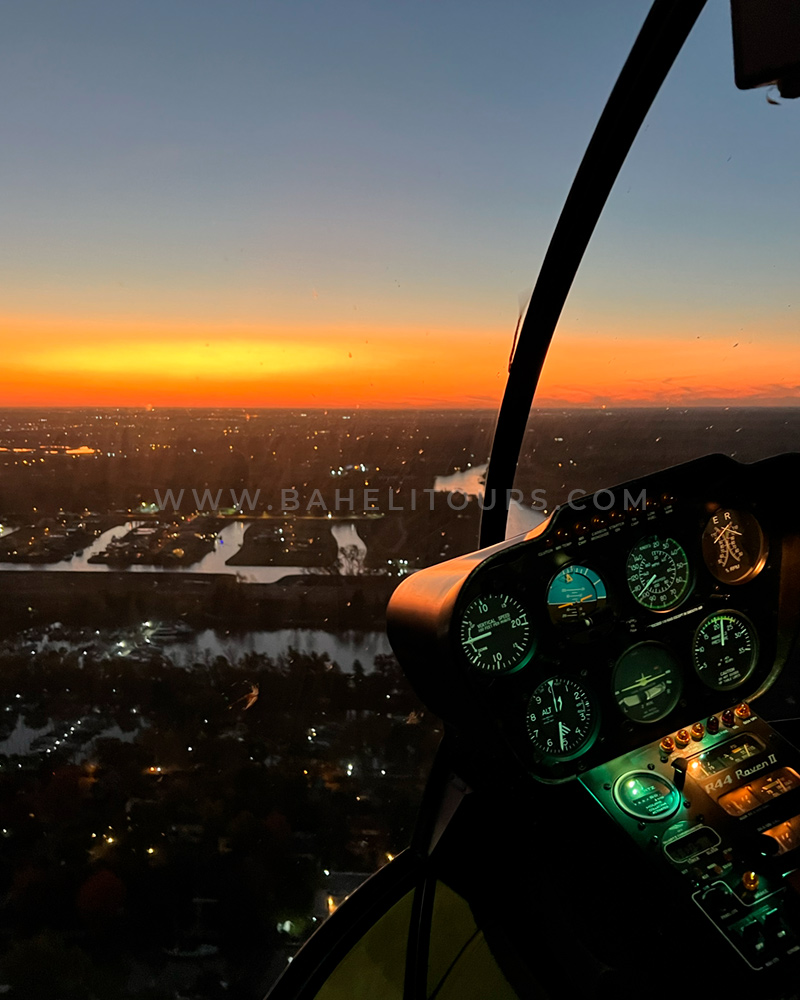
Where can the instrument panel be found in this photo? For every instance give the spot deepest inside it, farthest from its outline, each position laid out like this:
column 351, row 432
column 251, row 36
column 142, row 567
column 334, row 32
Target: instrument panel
column 624, row 615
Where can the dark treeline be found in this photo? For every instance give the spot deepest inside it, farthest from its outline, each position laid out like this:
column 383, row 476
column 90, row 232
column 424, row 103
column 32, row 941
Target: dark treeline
column 149, row 788
column 101, row 599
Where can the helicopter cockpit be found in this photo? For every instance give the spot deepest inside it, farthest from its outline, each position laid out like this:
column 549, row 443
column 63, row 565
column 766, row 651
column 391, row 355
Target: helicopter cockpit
column 260, row 268
column 610, row 801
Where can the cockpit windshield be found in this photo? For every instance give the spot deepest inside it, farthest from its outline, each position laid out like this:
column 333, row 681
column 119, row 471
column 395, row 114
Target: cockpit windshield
column 680, row 335
column 261, row 271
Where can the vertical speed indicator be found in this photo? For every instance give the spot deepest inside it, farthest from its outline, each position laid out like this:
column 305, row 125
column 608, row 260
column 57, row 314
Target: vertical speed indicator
column 495, row 634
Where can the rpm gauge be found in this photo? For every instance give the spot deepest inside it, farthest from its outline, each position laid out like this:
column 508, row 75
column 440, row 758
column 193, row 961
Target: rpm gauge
column 734, row 546
column 575, row 596
column 495, row 634
column 725, row 650
column 658, row 573
column 647, row 682
column 561, row 720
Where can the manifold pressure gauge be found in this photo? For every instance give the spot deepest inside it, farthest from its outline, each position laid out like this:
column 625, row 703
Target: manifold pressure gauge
column 495, row 634
column 725, row 650
column 734, row 546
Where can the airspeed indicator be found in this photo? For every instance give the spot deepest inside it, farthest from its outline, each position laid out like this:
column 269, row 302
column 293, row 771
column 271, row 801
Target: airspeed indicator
column 658, row 573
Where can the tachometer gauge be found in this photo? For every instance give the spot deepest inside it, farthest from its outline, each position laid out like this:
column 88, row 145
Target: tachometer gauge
column 658, row 574
column 561, row 721
column 495, row 634
column 734, row 546
column 576, row 594
column 725, row 650
column 647, row 682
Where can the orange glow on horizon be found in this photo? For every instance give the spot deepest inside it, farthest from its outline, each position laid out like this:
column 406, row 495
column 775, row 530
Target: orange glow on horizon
column 587, row 371
column 134, row 362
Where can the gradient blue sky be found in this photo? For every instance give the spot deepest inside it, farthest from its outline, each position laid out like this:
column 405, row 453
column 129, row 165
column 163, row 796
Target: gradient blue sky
column 391, row 172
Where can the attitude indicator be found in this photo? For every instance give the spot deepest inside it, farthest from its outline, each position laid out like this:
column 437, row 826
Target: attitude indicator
column 575, row 597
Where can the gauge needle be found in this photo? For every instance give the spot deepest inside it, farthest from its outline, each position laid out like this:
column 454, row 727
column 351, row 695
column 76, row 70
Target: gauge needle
column 721, row 634
column 474, row 638
column 561, row 734
column 728, row 527
column 645, row 587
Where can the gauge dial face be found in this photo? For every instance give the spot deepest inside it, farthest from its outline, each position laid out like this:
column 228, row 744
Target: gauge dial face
column 658, row 574
column 646, row 796
column 561, row 720
column 647, row 682
column 576, row 595
column 725, row 650
column 495, row 634
column 734, row 546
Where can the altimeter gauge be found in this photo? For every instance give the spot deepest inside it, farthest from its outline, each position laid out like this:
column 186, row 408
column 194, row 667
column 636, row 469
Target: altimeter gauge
column 734, row 546
column 561, row 719
column 725, row 650
column 495, row 634
column 575, row 597
column 658, row 573
column 647, row 682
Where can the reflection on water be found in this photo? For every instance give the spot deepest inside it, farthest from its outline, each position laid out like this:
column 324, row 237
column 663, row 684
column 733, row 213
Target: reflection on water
column 343, row 649
column 522, row 519
column 352, row 548
column 227, row 544
column 80, row 561
column 184, row 647
column 471, row 481
column 21, row 739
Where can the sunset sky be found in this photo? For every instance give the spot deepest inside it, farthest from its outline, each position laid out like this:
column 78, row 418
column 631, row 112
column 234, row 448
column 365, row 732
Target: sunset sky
column 340, row 203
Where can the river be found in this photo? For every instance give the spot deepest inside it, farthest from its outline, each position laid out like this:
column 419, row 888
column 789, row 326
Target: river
column 227, row 544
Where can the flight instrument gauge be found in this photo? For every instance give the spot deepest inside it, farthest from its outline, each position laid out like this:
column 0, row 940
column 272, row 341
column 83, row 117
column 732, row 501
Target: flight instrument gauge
column 734, row 546
column 725, row 650
column 575, row 596
column 647, row 682
column 658, row 573
column 561, row 720
column 646, row 796
column 495, row 634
